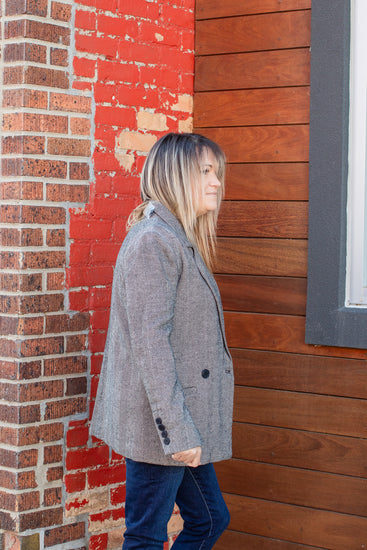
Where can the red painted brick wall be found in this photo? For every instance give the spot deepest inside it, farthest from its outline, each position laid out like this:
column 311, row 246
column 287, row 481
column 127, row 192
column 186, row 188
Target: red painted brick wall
column 87, row 88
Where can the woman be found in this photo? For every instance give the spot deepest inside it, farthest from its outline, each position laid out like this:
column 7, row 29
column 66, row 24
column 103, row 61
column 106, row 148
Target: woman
column 165, row 393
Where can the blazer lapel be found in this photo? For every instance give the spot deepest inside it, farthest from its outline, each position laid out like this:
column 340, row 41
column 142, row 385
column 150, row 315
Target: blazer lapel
column 167, row 216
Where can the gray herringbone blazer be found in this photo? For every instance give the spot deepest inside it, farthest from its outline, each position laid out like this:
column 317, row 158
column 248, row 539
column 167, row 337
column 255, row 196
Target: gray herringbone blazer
column 166, row 383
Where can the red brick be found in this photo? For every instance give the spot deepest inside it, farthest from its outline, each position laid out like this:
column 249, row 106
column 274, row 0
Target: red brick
column 98, row 542
column 118, row 495
column 59, row 57
column 99, row 319
column 55, row 237
column 67, row 323
column 116, row 26
column 44, row 259
column 43, row 215
column 35, row 99
column 85, row 20
column 65, row 407
column 21, row 459
column 42, row 518
column 52, row 454
column 87, row 458
column 68, row 102
column 80, row 126
column 25, row 52
column 75, row 343
column 79, row 300
column 96, row 364
column 52, row 496
column 77, row 437
column 41, row 303
column 118, row 72
column 69, row 147
column 84, row 67
column 17, row 414
column 13, row 74
column 75, row 386
column 90, row 276
column 60, row 11
column 66, row 533
column 21, row 190
column 10, row 260
column 139, row 8
column 42, row 346
column 21, row 237
column 40, row 76
column 55, row 473
column 59, row 192
column 56, row 281
column 29, row 7
column 106, row 476
column 93, row 43
column 75, row 482
column 79, row 171
column 104, row 253
column 65, row 365
column 116, row 116
column 20, row 371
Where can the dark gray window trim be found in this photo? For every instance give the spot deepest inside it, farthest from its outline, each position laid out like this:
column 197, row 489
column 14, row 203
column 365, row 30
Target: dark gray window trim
column 328, row 321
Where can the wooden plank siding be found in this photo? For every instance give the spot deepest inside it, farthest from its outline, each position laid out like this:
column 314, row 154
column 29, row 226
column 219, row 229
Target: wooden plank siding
column 298, row 477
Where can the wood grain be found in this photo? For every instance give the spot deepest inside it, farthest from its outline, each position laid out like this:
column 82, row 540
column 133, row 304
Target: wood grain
column 297, row 524
column 337, row 493
column 206, row 9
column 284, row 106
column 281, row 143
column 300, row 449
column 301, row 411
column 271, row 181
column 275, row 219
column 253, row 70
column 234, row 540
column 272, row 31
column 301, row 373
column 274, row 257
column 278, row 333
column 286, row 295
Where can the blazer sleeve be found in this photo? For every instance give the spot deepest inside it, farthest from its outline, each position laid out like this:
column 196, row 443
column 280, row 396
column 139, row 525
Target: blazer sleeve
column 151, row 275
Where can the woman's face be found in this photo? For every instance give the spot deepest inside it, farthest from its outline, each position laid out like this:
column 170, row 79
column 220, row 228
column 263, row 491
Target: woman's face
column 208, row 184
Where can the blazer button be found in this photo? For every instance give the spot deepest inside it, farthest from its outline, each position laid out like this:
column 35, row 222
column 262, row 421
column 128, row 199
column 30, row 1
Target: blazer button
column 161, row 427
column 158, row 420
column 167, row 441
column 205, row 373
column 164, row 434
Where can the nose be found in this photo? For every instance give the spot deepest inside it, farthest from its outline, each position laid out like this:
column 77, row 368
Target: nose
column 214, row 182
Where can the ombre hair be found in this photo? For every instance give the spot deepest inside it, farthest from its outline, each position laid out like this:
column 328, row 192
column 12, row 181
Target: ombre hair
column 169, row 174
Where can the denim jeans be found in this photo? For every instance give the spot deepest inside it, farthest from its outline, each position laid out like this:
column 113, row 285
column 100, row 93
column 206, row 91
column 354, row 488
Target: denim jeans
column 151, row 492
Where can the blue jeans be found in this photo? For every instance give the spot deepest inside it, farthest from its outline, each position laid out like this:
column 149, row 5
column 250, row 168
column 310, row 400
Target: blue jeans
column 151, row 492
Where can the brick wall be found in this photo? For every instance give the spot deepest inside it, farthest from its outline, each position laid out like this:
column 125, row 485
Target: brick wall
column 87, row 87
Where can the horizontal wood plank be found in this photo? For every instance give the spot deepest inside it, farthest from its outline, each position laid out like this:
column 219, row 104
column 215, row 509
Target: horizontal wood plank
column 271, row 181
column 253, row 70
column 272, row 31
column 297, row 524
column 337, row 493
column 274, row 257
column 302, row 373
column 301, row 411
column 262, row 143
column 284, row 295
column 234, row 540
column 300, row 449
column 277, row 333
column 206, row 9
column 284, row 106
column 274, row 219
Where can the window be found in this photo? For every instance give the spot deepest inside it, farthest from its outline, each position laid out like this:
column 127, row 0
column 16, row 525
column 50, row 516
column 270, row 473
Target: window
column 356, row 280
column 332, row 317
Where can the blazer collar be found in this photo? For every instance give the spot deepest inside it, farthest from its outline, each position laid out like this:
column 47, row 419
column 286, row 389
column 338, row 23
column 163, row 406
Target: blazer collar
column 167, row 216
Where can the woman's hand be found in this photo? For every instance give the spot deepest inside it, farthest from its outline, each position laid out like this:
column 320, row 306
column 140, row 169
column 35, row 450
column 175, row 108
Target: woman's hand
column 191, row 457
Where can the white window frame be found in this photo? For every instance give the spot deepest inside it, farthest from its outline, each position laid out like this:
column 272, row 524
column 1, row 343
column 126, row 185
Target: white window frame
column 356, row 275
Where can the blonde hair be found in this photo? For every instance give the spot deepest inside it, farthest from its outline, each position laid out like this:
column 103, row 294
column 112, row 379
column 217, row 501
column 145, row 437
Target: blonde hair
column 172, row 166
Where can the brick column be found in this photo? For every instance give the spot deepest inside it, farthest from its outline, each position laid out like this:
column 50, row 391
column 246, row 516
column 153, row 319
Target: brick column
column 46, row 144
column 88, row 87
